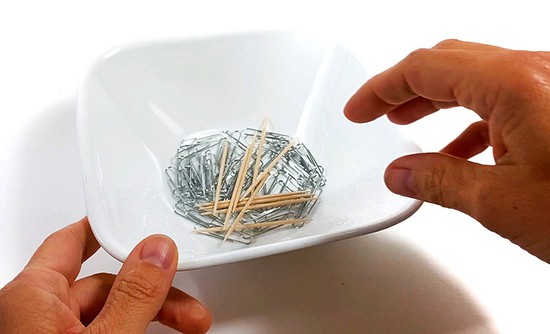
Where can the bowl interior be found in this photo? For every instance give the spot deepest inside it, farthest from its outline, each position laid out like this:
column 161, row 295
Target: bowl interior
column 139, row 101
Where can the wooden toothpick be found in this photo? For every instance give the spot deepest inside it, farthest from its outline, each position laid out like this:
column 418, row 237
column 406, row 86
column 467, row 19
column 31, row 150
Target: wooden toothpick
column 254, row 225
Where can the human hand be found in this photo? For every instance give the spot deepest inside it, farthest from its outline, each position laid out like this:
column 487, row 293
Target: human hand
column 46, row 298
column 510, row 91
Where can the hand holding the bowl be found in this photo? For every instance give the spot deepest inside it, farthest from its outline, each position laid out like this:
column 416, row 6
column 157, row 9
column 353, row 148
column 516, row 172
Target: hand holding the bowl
column 510, row 91
column 46, row 297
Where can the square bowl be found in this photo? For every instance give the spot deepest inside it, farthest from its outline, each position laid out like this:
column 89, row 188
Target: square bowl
column 137, row 102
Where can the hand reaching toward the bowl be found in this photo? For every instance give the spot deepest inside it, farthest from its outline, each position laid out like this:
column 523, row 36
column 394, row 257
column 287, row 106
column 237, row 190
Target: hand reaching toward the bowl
column 46, row 297
column 510, row 91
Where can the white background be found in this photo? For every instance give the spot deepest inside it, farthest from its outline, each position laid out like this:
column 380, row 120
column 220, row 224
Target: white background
column 437, row 272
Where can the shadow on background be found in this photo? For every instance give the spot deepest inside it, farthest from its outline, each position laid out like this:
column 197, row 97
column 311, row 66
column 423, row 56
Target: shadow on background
column 372, row 284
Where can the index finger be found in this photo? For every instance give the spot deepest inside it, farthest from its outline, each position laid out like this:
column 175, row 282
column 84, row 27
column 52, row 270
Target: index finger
column 428, row 79
column 65, row 250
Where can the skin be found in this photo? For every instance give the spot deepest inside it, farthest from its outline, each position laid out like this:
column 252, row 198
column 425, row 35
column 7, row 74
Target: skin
column 510, row 91
column 46, row 297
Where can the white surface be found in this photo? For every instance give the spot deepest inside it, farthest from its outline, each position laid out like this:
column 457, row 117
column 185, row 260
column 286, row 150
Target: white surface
column 137, row 102
column 437, row 272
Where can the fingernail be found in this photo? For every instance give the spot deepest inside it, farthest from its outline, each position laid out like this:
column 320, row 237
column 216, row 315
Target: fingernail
column 401, row 181
column 158, row 251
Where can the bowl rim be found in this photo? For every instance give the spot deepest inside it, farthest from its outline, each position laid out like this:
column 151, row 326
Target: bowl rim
column 237, row 255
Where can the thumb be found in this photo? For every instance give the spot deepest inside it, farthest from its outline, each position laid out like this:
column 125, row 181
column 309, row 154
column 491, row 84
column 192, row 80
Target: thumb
column 441, row 179
column 140, row 288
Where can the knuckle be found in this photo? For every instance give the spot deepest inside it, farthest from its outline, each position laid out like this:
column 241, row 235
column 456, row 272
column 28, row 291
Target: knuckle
column 433, row 184
column 523, row 83
column 525, row 69
column 447, row 43
column 416, row 54
column 450, row 188
column 138, row 286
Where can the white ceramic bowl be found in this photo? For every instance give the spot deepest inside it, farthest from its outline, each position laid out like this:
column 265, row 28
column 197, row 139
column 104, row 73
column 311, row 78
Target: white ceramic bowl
column 137, row 102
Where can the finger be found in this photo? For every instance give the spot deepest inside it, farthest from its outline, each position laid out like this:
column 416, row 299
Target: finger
column 179, row 311
column 140, row 288
column 465, row 78
column 184, row 313
column 464, row 45
column 502, row 198
column 415, row 109
column 65, row 250
column 474, row 140
column 442, row 179
column 91, row 293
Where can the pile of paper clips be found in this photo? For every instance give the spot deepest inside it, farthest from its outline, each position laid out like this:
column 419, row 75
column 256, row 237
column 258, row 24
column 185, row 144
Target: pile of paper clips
column 236, row 185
